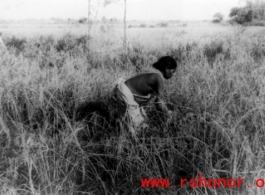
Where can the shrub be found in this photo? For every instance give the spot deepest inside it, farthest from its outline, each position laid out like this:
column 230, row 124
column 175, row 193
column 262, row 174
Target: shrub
column 16, row 43
column 162, row 24
column 257, row 23
column 46, row 43
column 213, row 49
column 82, row 40
column 184, row 24
column 65, row 43
column 142, row 26
column 70, row 42
column 82, row 20
column 243, row 15
column 217, row 18
column 258, row 51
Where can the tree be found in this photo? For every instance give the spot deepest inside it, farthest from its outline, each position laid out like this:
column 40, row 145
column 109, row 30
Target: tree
column 252, row 11
column 82, row 20
column 217, row 18
column 241, row 15
column 234, row 11
column 89, row 16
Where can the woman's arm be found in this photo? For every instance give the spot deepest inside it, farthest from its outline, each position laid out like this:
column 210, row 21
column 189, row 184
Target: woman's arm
column 161, row 106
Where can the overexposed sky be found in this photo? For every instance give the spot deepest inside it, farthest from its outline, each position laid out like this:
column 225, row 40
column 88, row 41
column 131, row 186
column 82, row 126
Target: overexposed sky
column 136, row 9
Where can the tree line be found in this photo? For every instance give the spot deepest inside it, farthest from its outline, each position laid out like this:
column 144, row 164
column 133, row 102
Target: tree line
column 252, row 12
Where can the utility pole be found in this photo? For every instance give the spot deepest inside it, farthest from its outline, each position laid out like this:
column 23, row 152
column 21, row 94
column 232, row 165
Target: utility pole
column 88, row 17
column 124, row 26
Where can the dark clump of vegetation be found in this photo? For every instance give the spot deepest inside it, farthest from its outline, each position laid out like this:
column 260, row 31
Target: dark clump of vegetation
column 217, row 18
column 82, row 20
column 251, row 14
column 46, row 43
column 258, row 51
column 258, row 23
column 162, row 24
column 142, row 26
column 132, row 26
column 66, row 43
column 71, row 43
column 16, row 44
column 213, row 49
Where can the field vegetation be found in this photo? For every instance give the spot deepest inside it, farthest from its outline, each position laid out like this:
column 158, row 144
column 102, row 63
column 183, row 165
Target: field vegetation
column 217, row 94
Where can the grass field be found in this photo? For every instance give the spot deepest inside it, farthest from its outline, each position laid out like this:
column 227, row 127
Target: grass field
column 218, row 93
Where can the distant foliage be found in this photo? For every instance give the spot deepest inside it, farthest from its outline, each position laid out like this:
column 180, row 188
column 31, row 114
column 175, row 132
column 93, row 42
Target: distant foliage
column 142, row 26
column 82, row 20
column 241, row 15
column 162, row 24
column 258, row 23
column 249, row 14
column 184, row 25
column 217, row 18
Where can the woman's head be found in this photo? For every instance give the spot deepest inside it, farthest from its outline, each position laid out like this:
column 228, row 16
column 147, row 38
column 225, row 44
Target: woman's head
column 167, row 65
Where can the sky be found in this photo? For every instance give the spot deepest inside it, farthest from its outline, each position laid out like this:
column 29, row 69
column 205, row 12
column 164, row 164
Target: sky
column 136, row 9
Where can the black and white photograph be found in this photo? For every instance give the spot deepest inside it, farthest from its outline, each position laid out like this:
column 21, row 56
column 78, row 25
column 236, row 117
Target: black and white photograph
column 132, row 97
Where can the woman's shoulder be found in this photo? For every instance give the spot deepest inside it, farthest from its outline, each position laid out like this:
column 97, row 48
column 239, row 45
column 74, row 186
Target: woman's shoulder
column 153, row 73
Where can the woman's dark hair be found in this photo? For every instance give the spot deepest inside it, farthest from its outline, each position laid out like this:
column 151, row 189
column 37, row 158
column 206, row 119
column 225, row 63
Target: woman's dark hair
column 165, row 62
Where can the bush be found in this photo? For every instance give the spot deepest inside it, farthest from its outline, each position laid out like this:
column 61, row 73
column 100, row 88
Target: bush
column 70, row 42
column 257, row 23
column 16, row 43
column 248, row 13
column 66, row 43
column 258, row 51
column 82, row 20
column 184, row 25
column 215, row 21
column 162, row 24
column 217, row 18
column 46, row 43
column 142, row 26
column 213, row 49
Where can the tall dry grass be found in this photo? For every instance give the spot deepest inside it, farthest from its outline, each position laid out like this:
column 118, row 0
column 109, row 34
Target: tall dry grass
column 217, row 129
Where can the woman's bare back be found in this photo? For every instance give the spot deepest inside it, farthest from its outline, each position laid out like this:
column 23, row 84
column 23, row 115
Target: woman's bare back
column 145, row 84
